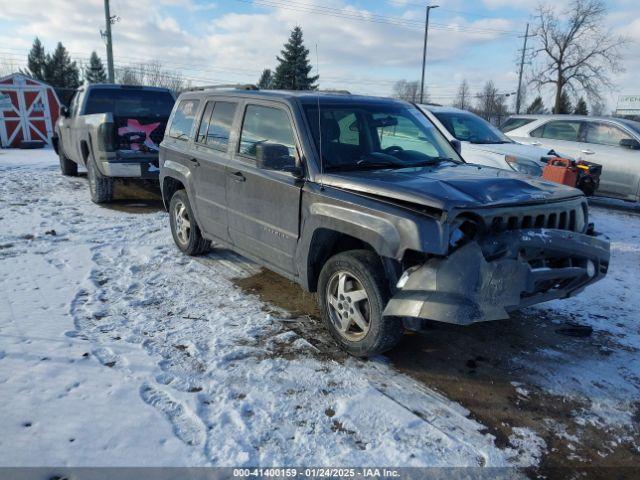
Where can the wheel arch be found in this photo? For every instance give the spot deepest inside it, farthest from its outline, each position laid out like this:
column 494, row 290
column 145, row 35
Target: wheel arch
column 169, row 186
column 327, row 234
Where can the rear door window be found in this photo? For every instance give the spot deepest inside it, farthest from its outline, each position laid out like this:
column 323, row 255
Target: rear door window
column 204, row 123
column 183, row 119
column 220, row 125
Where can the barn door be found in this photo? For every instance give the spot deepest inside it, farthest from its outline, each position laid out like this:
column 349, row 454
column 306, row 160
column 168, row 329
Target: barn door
column 29, row 117
column 36, row 115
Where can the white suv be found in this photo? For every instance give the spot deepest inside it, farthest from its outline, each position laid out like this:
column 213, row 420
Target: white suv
column 614, row 143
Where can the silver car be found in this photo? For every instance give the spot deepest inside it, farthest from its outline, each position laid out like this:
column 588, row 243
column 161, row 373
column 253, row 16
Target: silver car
column 482, row 143
column 614, row 143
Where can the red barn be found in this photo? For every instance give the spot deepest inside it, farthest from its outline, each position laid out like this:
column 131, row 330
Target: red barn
column 28, row 110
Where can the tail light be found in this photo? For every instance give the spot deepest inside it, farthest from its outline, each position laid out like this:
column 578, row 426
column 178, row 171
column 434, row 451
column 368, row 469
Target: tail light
column 107, row 137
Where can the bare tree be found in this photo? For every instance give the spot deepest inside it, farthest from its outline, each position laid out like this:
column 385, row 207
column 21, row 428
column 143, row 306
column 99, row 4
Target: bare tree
column 576, row 53
column 152, row 74
column 490, row 103
column 463, row 97
column 409, row 91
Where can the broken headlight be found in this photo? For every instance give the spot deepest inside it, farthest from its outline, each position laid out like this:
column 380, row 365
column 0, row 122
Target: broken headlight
column 463, row 230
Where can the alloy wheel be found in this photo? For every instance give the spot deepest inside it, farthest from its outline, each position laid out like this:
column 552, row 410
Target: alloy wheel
column 348, row 306
column 182, row 223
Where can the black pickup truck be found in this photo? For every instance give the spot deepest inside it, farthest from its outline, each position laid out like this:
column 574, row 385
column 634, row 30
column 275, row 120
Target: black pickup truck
column 115, row 132
column 363, row 201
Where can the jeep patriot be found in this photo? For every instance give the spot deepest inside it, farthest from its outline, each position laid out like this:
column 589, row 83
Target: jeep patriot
column 363, row 201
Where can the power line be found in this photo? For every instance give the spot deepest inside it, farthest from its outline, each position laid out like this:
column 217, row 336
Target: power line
column 375, row 18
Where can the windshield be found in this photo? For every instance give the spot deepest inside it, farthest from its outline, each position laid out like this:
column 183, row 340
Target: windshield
column 360, row 136
column 468, row 127
column 130, row 102
column 632, row 124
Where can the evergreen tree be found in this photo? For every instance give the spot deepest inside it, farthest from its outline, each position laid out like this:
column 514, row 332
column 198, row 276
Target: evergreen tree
column 565, row 105
column 536, row 106
column 37, row 60
column 266, row 79
column 95, row 73
column 293, row 68
column 60, row 70
column 581, row 107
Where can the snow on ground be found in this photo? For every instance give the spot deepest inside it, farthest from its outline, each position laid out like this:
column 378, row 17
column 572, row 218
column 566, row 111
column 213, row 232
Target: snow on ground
column 610, row 381
column 115, row 349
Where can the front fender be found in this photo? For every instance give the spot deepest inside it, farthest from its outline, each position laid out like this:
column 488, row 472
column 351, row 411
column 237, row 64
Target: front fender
column 378, row 232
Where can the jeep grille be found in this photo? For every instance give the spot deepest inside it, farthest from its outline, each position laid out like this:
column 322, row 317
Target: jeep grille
column 573, row 219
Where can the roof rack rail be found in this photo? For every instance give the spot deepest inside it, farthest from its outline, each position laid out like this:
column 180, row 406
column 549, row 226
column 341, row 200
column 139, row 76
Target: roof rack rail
column 236, row 86
column 338, row 92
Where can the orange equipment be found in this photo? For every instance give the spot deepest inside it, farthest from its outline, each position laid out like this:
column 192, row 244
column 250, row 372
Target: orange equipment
column 561, row 170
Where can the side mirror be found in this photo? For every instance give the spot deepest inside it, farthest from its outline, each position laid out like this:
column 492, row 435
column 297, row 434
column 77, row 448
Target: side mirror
column 457, row 146
column 64, row 111
column 631, row 143
column 273, row 156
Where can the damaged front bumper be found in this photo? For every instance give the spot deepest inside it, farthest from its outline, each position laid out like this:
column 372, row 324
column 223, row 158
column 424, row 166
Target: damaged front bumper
column 485, row 280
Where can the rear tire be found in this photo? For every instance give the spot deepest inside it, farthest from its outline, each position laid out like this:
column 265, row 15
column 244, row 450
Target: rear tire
column 184, row 229
column 352, row 294
column 68, row 167
column 100, row 187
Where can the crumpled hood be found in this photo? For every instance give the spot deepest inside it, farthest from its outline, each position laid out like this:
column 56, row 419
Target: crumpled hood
column 519, row 150
column 446, row 187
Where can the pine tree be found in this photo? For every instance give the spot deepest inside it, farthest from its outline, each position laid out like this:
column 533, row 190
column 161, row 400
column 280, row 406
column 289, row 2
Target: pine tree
column 60, row 71
column 536, row 106
column 293, row 68
column 95, row 73
column 581, row 107
column 565, row 105
column 37, row 60
column 266, row 79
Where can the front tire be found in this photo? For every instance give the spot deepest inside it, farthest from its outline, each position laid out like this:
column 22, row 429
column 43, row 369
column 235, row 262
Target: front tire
column 68, row 167
column 184, row 229
column 100, row 187
column 352, row 294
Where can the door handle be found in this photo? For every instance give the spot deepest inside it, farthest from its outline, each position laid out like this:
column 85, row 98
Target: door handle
column 588, row 152
column 238, row 177
column 536, row 143
column 194, row 161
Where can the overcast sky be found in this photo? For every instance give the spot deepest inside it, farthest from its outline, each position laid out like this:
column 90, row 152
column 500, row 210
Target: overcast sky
column 234, row 40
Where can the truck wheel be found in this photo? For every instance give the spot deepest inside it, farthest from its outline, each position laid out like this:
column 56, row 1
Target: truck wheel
column 185, row 230
column 352, row 294
column 67, row 167
column 100, row 187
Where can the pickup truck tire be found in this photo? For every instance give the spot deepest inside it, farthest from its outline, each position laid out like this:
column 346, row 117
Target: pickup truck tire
column 184, row 229
column 100, row 187
column 352, row 294
column 68, row 167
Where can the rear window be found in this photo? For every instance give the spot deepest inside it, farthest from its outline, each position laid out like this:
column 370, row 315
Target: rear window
column 183, row 119
column 130, row 103
column 513, row 123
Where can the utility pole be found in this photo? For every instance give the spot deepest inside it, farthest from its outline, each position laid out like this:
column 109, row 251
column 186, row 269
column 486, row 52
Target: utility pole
column 524, row 50
column 424, row 50
column 109, row 20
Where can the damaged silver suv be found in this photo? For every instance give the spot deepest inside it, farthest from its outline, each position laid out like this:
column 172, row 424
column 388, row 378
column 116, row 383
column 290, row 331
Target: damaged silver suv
column 363, row 201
